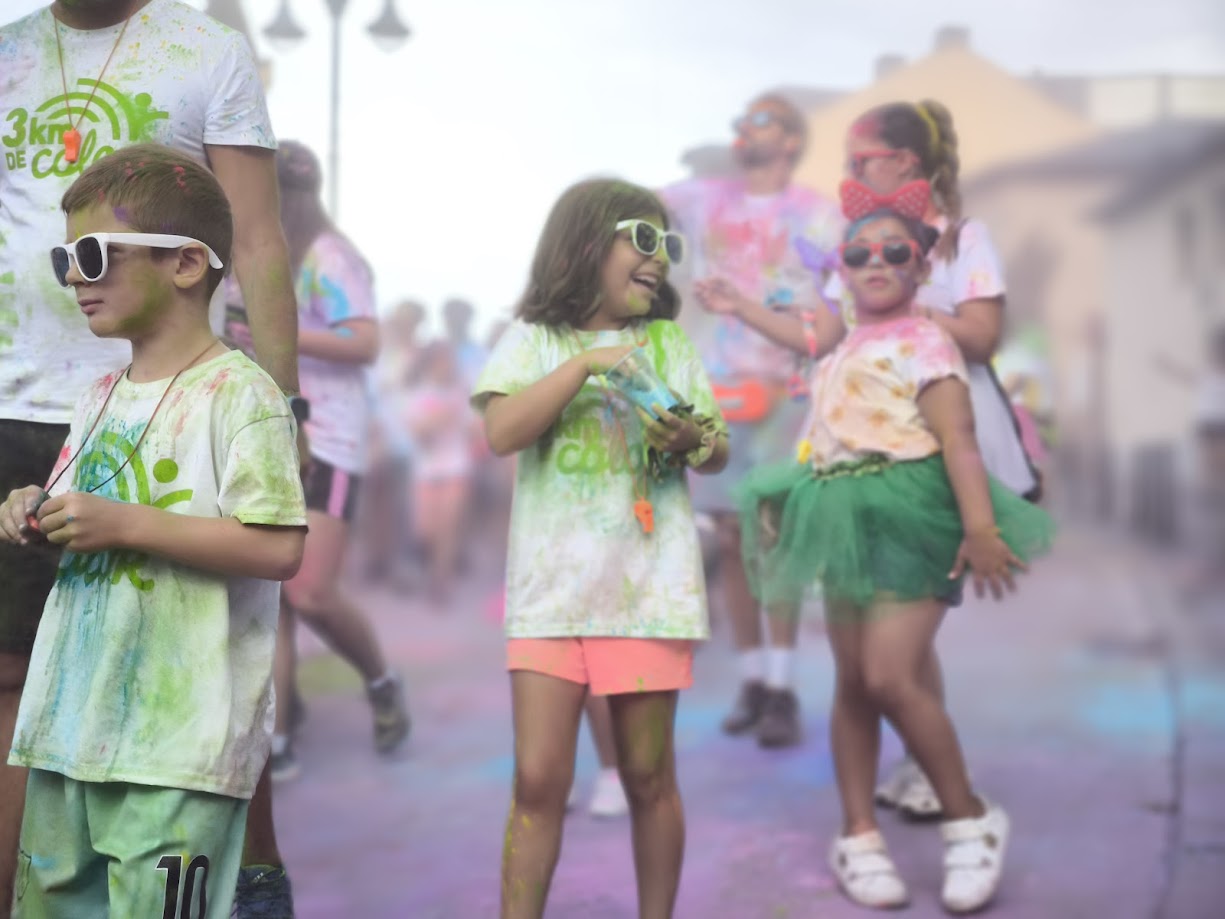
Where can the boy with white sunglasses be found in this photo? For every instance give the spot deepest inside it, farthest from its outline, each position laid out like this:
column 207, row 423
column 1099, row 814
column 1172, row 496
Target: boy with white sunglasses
column 177, row 502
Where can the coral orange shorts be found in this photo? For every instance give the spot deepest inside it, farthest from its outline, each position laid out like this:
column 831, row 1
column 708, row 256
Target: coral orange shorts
column 609, row 666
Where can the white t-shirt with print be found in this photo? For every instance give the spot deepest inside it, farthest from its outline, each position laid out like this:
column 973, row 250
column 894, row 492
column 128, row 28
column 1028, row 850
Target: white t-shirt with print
column 974, row 274
column 178, row 78
column 579, row 562
column 146, row 670
column 333, row 286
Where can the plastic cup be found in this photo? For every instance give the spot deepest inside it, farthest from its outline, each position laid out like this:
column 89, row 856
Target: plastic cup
column 634, row 376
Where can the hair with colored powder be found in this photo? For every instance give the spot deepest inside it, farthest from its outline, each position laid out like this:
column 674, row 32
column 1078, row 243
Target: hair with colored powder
column 926, row 236
column 926, row 130
column 303, row 216
column 565, row 282
column 790, row 117
column 159, row 190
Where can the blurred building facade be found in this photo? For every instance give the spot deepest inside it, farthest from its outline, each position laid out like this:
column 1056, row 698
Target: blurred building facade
column 1106, row 198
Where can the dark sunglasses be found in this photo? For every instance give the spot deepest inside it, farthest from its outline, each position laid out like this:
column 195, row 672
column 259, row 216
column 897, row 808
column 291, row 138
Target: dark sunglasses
column 647, row 238
column 89, row 252
column 856, row 255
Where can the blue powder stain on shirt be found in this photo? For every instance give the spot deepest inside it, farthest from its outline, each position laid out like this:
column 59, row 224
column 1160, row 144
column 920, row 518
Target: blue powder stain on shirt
column 338, row 307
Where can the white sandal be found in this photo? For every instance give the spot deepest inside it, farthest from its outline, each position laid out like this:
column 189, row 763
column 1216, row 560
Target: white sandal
column 865, row 872
column 973, row 858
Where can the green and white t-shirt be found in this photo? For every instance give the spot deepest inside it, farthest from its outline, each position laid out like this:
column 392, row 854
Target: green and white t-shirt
column 145, row 670
column 177, row 77
column 579, row 562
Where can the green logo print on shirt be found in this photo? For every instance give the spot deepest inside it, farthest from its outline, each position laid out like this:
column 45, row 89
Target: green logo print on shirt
column 131, row 486
column 35, row 140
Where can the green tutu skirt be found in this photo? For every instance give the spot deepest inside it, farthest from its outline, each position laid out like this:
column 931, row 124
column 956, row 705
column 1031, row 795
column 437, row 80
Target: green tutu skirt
column 870, row 531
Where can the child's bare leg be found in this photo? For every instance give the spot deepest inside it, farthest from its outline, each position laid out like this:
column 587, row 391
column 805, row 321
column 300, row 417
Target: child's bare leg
column 284, row 669
column 854, row 724
column 897, row 638
column 547, row 711
column 599, row 721
column 643, row 726
column 314, row 593
column 452, row 510
column 742, row 609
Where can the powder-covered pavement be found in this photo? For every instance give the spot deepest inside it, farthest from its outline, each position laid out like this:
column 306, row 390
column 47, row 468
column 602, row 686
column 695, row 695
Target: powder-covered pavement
column 1090, row 704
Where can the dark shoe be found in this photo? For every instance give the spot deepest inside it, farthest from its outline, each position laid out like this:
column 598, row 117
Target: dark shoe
column 284, row 765
column 263, row 892
column 779, row 725
column 748, row 708
column 391, row 720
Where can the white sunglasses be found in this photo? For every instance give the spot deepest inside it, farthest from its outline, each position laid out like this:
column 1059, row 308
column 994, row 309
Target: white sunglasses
column 89, row 252
column 647, row 238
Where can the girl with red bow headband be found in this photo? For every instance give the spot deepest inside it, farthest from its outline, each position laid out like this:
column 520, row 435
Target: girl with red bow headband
column 887, row 506
column 889, row 149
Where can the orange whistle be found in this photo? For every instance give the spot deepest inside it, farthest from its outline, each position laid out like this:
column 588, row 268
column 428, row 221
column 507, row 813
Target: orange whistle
column 32, row 522
column 645, row 514
column 72, row 144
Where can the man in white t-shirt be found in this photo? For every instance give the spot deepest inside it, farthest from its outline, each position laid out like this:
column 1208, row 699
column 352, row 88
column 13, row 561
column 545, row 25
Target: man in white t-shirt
column 80, row 79
column 743, row 231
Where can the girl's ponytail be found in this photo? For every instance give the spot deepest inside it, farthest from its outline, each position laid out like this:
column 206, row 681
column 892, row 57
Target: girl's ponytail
column 945, row 163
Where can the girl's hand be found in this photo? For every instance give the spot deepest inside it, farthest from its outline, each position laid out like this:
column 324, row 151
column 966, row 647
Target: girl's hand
column 717, row 295
column 15, row 514
column 990, row 562
column 82, row 522
column 598, row 360
column 670, row 433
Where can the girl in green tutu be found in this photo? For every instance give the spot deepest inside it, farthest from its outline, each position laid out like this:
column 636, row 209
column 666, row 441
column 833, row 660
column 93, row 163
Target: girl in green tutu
column 887, row 507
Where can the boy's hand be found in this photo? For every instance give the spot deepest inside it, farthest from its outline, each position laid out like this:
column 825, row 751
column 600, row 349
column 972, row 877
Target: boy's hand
column 16, row 512
column 670, row 433
column 82, row 522
column 990, row 562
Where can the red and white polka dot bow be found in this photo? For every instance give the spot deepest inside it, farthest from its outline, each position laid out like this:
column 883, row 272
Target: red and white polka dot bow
column 910, row 200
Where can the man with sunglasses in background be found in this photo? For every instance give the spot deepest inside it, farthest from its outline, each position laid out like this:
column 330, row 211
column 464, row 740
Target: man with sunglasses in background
column 78, row 80
column 742, row 232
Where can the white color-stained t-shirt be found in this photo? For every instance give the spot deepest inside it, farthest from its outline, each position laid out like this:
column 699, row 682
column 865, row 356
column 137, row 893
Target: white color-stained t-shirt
column 579, row 563
column 179, row 78
column 975, row 274
column 146, row 670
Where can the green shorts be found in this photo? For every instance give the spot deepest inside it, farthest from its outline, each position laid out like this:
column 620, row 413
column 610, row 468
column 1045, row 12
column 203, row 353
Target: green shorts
column 118, row 849
column 27, row 572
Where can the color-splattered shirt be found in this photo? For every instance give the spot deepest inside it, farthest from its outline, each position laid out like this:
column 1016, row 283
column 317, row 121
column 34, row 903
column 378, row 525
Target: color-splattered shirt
column 749, row 240
column 975, row 274
column 146, row 670
column 179, row 78
column 579, row 562
column 334, row 285
column 864, row 396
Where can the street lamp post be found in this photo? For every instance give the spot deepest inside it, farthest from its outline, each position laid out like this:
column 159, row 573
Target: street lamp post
column 388, row 33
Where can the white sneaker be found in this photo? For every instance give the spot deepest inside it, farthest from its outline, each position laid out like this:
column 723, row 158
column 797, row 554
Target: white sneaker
column 895, row 782
column 865, row 872
column 918, row 799
column 608, row 796
column 973, row 858
column 907, row 788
